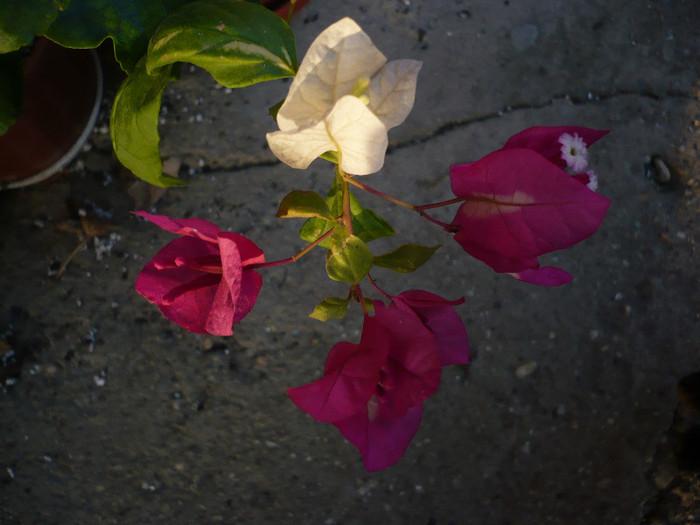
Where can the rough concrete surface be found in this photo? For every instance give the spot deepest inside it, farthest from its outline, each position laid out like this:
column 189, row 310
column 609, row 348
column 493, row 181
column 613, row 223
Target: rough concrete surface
column 112, row 414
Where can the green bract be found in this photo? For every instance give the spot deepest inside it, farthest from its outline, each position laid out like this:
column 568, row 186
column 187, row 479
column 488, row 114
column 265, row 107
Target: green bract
column 348, row 259
column 366, row 224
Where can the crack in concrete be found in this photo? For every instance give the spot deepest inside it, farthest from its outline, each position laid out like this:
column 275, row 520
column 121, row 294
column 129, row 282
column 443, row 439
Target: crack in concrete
column 590, row 98
column 574, row 100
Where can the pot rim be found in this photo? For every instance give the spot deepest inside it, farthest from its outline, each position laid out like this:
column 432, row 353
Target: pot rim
column 76, row 147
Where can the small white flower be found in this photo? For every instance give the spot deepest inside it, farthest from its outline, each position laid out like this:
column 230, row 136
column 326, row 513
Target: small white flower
column 592, row 180
column 344, row 98
column 574, row 152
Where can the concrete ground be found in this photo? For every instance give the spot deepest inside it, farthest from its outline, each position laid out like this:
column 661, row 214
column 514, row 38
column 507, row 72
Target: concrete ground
column 111, row 414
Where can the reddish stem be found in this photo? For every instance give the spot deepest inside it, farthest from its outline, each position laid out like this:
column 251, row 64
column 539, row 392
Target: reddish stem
column 441, row 204
column 376, row 286
column 293, row 258
column 419, row 209
column 357, row 291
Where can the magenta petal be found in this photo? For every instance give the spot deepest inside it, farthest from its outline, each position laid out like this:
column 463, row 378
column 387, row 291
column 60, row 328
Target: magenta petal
column 545, row 140
column 220, row 317
column 384, row 441
column 250, row 288
column 520, row 206
column 350, row 379
column 422, row 299
column 199, row 280
column 373, row 391
column 190, row 305
column 374, row 336
column 547, row 276
column 189, row 309
column 414, row 360
column 249, row 251
column 198, row 228
column 154, row 283
column 221, row 314
column 342, row 394
column 447, row 326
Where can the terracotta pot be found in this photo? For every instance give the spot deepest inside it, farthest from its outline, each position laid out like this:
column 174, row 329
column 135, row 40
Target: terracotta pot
column 62, row 95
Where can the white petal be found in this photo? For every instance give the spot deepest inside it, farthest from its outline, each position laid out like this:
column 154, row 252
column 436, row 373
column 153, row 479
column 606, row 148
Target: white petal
column 359, row 134
column 299, row 148
column 338, row 57
column 392, row 91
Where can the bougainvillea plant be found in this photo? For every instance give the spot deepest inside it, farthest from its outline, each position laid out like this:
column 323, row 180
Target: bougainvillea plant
column 533, row 196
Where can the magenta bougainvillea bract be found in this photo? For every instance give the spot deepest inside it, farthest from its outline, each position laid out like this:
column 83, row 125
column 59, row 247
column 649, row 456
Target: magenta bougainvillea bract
column 373, row 392
column 520, row 203
column 202, row 280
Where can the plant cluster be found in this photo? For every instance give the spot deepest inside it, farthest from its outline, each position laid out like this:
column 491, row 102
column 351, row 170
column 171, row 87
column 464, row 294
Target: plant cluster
column 533, row 196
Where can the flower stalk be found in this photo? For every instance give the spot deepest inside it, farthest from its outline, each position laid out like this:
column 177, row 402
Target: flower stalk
column 420, row 209
column 297, row 256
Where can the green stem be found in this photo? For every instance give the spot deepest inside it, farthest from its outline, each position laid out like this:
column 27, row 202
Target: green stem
column 290, row 13
column 345, row 189
column 293, row 258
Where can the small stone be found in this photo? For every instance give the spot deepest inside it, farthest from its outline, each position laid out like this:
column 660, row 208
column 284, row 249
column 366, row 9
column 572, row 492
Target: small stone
column 526, row 369
column 659, row 172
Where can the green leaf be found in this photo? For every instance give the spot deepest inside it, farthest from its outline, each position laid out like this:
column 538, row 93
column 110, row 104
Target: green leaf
column 239, row 43
column 369, row 226
column 331, row 308
column 366, row 224
column 348, row 258
column 130, row 23
column 134, row 125
column 314, row 228
column 22, row 20
column 406, row 258
column 10, row 89
column 303, row 204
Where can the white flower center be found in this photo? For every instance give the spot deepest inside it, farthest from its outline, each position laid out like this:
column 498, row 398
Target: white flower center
column 574, row 152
